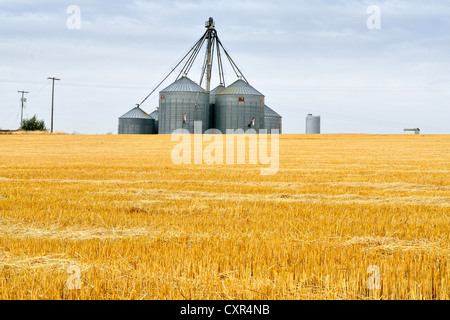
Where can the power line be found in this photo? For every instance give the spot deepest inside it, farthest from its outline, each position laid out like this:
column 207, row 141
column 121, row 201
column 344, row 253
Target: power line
column 104, row 85
column 369, row 89
column 34, row 94
column 4, row 120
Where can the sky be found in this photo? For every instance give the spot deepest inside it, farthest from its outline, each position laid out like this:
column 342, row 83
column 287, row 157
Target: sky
column 361, row 72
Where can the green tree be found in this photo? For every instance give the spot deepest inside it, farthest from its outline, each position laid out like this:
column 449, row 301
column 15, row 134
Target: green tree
column 33, row 124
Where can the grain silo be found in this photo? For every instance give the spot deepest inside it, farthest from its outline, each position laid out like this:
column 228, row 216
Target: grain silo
column 212, row 105
column 136, row 121
column 239, row 106
column 181, row 104
column 312, row 124
column 272, row 120
column 155, row 115
column 184, row 102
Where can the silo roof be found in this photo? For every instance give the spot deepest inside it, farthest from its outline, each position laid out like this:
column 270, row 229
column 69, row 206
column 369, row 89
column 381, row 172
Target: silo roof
column 268, row 112
column 184, row 84
column 155, row 114
column 240, row 87
column 217, row 89
column 213, row 92
column 136, row 113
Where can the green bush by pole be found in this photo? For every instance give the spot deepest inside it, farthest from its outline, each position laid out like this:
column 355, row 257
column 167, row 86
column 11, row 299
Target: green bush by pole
column 33, row 124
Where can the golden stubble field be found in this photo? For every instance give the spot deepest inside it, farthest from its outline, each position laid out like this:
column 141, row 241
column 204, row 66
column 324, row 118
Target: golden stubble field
column 140, row 227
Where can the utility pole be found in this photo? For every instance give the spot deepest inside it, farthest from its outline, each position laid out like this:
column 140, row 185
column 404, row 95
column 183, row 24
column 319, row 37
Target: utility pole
column 22, row 100
column 53, row 97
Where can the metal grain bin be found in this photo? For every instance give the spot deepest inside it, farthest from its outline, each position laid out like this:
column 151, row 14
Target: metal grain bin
column 212, row 94
column 136, row 121
column 155, row 115
column 237, row 105
column 272, row 120
column 312, row 124
column 181, row 104
column 212, row 101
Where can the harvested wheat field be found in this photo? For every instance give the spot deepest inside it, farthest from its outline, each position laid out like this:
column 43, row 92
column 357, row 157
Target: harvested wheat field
column 343, row 212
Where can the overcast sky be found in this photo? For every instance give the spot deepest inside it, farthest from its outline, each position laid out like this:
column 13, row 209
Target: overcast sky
column 315, row 57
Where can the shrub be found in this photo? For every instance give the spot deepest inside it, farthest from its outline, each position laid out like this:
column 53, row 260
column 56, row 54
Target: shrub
column 33, row 124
